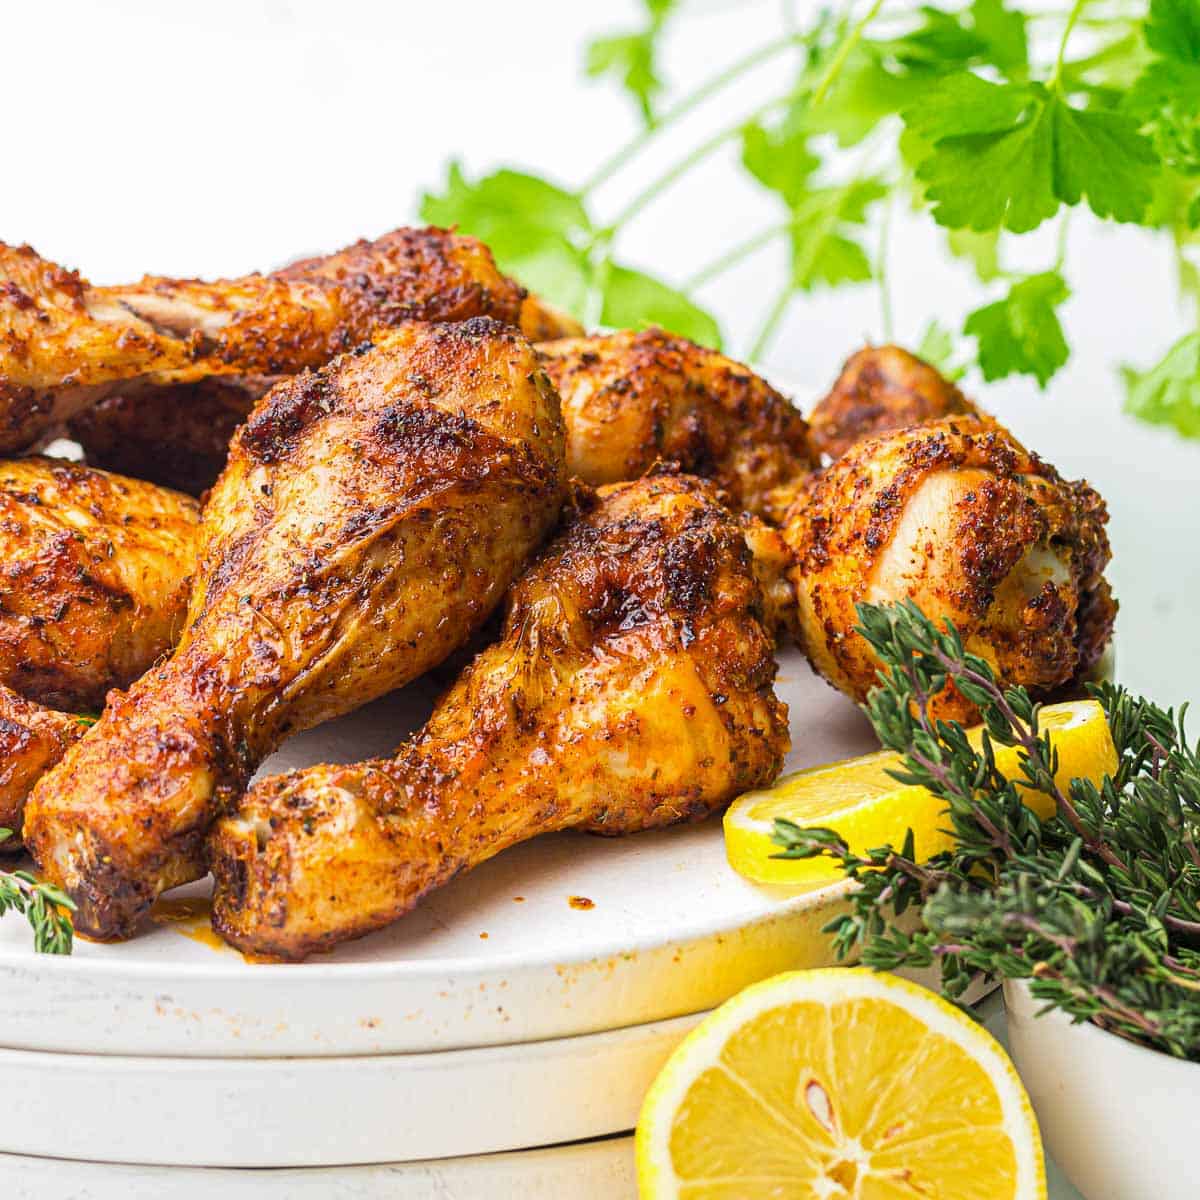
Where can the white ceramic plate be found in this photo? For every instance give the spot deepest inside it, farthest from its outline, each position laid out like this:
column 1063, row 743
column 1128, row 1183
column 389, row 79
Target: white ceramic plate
column 311, row 1112
column 672, row 930
column 591, row 1171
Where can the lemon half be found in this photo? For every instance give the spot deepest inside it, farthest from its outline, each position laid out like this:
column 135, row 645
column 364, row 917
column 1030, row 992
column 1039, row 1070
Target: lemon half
column 863, row 803
column 838, row 1083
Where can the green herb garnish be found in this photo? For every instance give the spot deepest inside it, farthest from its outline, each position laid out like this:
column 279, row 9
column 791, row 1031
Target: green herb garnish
column 1098, row 907
column 992, row 117
column 46, row 908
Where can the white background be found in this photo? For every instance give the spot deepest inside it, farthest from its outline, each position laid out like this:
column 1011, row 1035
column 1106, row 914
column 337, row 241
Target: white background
column 220, row 137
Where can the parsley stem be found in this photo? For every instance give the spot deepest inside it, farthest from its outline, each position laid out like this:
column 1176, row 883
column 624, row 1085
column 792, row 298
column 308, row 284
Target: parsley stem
column 881, row 271
column 1073, row 17
column 844, row 51
column 735, row 255
column 594, row 305
column 1064, row 224
column 694, row 158
column 691, row 101
column 771, row 323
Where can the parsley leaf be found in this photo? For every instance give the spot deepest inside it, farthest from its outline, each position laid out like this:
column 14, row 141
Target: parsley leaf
column 1008, row 154
column 1168, row 393
column 938, row 349
column 1173, row 29
column 824, row 247
column 1102, row 155
column 940, row 41
column 1021, row 334
column 1002, row 32
column 991, row 155
column 543, row 236
column 1166, row 96
column 779, row 159
column 981, row 249
column 865, row 92
column 536, row 230
column 633, row 300
column 632, row 58
column 944, row 41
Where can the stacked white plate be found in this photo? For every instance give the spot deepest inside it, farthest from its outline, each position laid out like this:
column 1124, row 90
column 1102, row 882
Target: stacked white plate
column 527, row 1005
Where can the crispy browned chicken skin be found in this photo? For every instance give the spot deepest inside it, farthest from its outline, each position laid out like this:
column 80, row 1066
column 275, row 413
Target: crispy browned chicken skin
column 175, row 436
column 179, row 436
column 630, row 400
column 32, row 739
column 881, row 388
column 957, row 516
column 370, row 517
column 95, row 572
column 633, row 399
column 65, row 344
column 632, row 688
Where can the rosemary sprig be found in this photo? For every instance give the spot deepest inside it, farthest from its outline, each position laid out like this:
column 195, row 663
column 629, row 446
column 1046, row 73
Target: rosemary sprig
column 46, row 908
column 1098, row 907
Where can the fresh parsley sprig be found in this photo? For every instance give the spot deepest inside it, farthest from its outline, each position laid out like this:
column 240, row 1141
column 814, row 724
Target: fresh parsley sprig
column 1097, row 907
column 46, row 908
column 992, row 116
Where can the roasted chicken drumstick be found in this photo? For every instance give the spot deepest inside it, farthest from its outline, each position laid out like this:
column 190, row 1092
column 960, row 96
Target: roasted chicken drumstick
column 632, row 688
column 370, row 517
column 957, row 516
column 65, row 344
column 179, row 436
column 32, row 739
column 881, row 388
column 95, row 572
column 629, row 400
column 632, row 399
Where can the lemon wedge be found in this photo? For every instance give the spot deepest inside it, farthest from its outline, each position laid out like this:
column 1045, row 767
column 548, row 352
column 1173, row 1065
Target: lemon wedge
column 863, row 803
column 838, row 1083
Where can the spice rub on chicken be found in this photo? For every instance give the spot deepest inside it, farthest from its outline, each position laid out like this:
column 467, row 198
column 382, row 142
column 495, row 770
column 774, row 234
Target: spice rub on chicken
column 882, row 388
column 370, row 517
column 632, row 399
column 957, row 516
column 632, row 688
column 66, row 344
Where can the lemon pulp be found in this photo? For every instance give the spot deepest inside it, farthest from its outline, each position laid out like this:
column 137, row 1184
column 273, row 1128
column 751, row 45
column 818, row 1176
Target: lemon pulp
column 862, row 802
column 839, row 1083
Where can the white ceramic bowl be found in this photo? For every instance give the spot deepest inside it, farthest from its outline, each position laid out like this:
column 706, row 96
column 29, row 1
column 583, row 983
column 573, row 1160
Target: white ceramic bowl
column 1122, row 1122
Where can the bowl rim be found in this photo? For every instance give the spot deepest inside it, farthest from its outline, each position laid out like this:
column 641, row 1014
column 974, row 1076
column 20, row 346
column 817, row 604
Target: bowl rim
column 1029, row 1006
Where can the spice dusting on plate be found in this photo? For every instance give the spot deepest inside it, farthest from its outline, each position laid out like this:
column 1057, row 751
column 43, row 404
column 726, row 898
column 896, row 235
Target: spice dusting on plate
column 581, row 902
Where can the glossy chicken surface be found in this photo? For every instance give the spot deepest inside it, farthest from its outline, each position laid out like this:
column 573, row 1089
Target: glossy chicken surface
column 32, row 739
column 65, row 344
column 881, row 388
column 370, row 517
column 179, row 436
column 632, row 688
column 633, row 399
column 957, row 516
column 95, row 572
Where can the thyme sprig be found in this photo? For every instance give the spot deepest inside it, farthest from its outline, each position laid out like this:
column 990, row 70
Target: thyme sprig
column 46, row 908
column 1098, row 907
